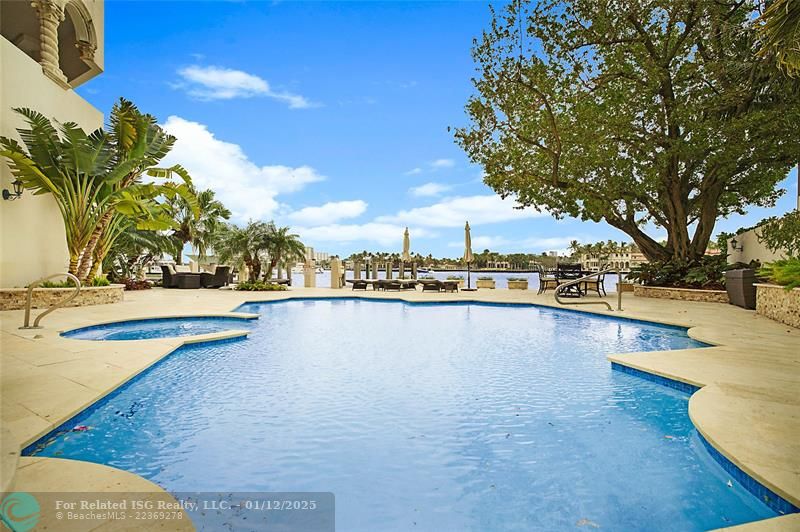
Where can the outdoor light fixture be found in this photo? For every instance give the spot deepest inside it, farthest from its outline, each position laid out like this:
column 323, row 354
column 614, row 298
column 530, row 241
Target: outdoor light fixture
column 736, row 246
column 16, row 194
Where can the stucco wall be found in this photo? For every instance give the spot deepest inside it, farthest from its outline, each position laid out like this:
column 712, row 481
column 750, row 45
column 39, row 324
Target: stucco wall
column 32, row 242
column 749, row 248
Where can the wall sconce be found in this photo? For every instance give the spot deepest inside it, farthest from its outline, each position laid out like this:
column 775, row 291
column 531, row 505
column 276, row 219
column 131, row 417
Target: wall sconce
column 16, row 194
column 736, row 246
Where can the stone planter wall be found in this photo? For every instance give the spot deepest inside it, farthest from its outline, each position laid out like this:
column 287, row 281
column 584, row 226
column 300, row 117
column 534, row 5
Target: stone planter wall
column 681, row 294
column 517, row 285
column 625, row 287
column 14, row 298
column 460, row 282
column 486, row 283
column 779, row 304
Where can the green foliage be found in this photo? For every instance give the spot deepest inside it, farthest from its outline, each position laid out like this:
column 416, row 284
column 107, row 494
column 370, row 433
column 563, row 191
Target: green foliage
column 485, row 278
column 784, row 272
column 780, row 32
column 260, row 286
column 68, row 283
column 659, row 113
column 455, row 277
column 200, row 230
column 518, row 279
column 708, row 272
column 782, row 234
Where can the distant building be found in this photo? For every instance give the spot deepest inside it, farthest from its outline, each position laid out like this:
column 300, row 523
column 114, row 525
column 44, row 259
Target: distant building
column 625, row 260
column 498, row 265
column 320, row 256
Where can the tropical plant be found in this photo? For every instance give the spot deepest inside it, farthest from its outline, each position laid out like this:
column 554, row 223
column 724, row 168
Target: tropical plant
column 198, row 230
column 785, row 272
column 780, row 34
column 260, row 286
column 707, row 272
column 283, row 247
column 133, row 250
column 244, row 246
column 659, row 113
column 69, row 283
column 96, row 179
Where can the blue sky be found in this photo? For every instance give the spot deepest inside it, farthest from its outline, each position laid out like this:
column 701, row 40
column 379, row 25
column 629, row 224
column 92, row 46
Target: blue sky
column 331, row 118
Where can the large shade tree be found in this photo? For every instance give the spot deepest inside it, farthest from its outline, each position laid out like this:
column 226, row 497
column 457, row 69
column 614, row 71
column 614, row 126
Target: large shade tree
column 639, row 113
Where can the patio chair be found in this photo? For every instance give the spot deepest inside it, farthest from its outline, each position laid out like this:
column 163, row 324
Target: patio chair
column 595, row 284
column 275, row 280
column 546, row 280
column 569, row 272
column 169, row 278
column 358, row 284
column 218, row 279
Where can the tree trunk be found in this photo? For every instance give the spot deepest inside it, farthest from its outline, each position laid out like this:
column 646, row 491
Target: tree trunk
column 87, row 257
column 73, row 264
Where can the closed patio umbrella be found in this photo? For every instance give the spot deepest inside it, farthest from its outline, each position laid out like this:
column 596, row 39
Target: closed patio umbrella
column 406, row 256
column 468, row 258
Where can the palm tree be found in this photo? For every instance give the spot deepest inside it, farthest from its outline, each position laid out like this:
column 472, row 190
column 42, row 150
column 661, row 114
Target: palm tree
column 244, row 246
column 197, row 230
column 283, row 247
column 780, row 35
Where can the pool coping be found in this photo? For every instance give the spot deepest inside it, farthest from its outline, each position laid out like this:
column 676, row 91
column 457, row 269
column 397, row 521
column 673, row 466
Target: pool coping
column 697, row 332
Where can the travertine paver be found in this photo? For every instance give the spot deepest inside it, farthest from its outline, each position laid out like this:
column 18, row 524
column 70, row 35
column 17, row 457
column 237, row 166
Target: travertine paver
column 748, row 409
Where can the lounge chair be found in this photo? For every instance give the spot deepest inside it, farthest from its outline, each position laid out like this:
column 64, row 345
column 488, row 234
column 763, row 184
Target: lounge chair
column 358, row 284
column 287, row 282
column 217, row 279
column 450, row 286
column 169, row 278
column 432, row 285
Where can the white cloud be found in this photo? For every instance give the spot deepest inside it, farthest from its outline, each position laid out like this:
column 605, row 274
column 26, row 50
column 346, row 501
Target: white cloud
column 219, row 83
column 381, row 233
column 247, row 189
column 455, row 211
column 429, row 189
column 443, row 163
column 414, row 171
column 328, row 213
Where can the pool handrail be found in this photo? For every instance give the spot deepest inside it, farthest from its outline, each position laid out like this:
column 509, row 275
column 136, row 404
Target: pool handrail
column 50, row 309
column 561, row 288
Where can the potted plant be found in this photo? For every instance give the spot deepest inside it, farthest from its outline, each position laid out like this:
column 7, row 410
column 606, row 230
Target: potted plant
column 459, row 278
column 486, row 282
column 517, row 283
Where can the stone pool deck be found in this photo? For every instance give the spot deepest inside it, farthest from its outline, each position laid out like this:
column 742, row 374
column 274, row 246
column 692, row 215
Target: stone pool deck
column 748, row 408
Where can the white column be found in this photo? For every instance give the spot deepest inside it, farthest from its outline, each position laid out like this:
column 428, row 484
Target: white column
column 50, row 16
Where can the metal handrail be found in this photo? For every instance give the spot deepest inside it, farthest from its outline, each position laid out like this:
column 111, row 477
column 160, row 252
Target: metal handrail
column 58, row 305
column 560, row 288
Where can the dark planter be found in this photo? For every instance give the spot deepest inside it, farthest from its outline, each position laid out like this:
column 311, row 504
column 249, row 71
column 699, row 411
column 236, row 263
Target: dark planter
column 740, row 285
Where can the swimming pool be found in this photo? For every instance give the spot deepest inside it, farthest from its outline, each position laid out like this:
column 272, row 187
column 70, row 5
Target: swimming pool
column 158, row 328
column 424, row 416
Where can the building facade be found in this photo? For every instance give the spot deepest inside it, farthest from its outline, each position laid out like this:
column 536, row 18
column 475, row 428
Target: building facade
column 624, row 260
column 47, row 49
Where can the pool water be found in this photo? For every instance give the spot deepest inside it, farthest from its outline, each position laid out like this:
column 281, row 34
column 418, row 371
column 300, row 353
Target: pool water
column 427, row 417
column 157, row 328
